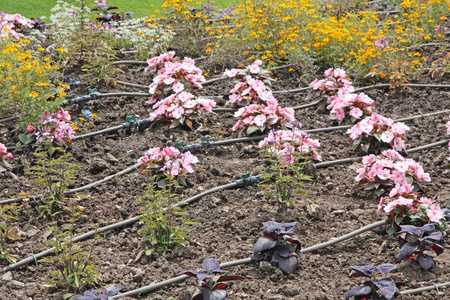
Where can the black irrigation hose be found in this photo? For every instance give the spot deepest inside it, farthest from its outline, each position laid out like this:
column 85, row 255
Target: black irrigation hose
column 140, row 124
column 426, row 289
column 416, row 85
column 8, row 119
column 155, row 286
column 85, row 187
column 33, row 258
column 94, row 96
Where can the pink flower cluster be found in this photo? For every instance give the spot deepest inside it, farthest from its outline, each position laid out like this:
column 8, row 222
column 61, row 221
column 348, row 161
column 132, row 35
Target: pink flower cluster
column 54, row 128
column 343, row 104
column 183, row 107
column 399, row 175
column 9, row 24
column 419, row 209
column 346, row 105
column 172, row 74
column 392, row 171
column 169, row 161
column 4, row 152
column 250, row 87
column 262, row 111
column 380, row 128
column 287, row 144
column 174, row 98
column 263, row 116
column 335, row 80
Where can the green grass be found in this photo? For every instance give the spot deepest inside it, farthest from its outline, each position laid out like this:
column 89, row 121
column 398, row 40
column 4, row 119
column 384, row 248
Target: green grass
column 31, row 9
column 143, row 8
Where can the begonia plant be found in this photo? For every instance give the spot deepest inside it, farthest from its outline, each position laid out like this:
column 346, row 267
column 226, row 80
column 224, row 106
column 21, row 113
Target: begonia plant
column 172, row 76
column 374, row 133
column 335, row 80
column 53, row 131
column 284, row 143
column 263, row 117
column 4, row 156
column 162, row 163
column 410, row 208
column 390, row 172
column 251, row 85
column 349, row 107
column 183, row 108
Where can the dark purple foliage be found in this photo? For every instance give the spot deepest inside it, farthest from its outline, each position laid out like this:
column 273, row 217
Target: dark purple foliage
column 99, row 295
column 425, row 239
column 37, row 23
column 212, row 289
column 104, row 15
column 277, row 245
column 369, row 289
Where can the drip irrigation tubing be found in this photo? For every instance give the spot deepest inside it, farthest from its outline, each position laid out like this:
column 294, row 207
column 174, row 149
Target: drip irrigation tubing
column 96, row 95
column 224, row 142
column 85, row 187
column 426, row 289
column 33, row 258
column 147, row 122
column 8, row 119
column 155, row 286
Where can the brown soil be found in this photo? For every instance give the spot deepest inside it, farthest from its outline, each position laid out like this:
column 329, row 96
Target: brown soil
column 230, row 221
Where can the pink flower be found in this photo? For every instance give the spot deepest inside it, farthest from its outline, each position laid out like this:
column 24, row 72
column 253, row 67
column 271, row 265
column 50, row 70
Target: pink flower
column 30, row 128
column 3, row 149
column 435, row 214
column 380, row 204
column 231, row 73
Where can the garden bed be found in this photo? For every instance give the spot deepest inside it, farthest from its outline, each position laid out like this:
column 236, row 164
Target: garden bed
column 229, row 221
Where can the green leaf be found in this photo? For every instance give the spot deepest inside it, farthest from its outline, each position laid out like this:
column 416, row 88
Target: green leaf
column 251, row 129
column 354, row 145
column 379, row 192
column 174, row 124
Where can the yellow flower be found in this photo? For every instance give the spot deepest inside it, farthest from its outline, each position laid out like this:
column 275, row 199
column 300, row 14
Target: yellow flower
column 61, row 49
column 33, row 94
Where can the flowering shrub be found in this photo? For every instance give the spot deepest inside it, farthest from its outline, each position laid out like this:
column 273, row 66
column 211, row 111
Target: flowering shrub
column 4, row 155
column 348, row 106
column 167, row 163
column 335, row 80
column 343, row 104
column 391, row 172
column 250, row 85
column 261, row 117
column 287, row 144
column 173, row 75
column 377, row 131
column 53, row 130
column 11, row 24
column 173, row 91
column 411, row 208
column 27, row 81
column 183, row 108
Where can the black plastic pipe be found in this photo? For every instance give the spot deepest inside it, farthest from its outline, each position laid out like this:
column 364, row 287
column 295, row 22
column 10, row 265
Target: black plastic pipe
column 33, row 258
column 155, row 286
